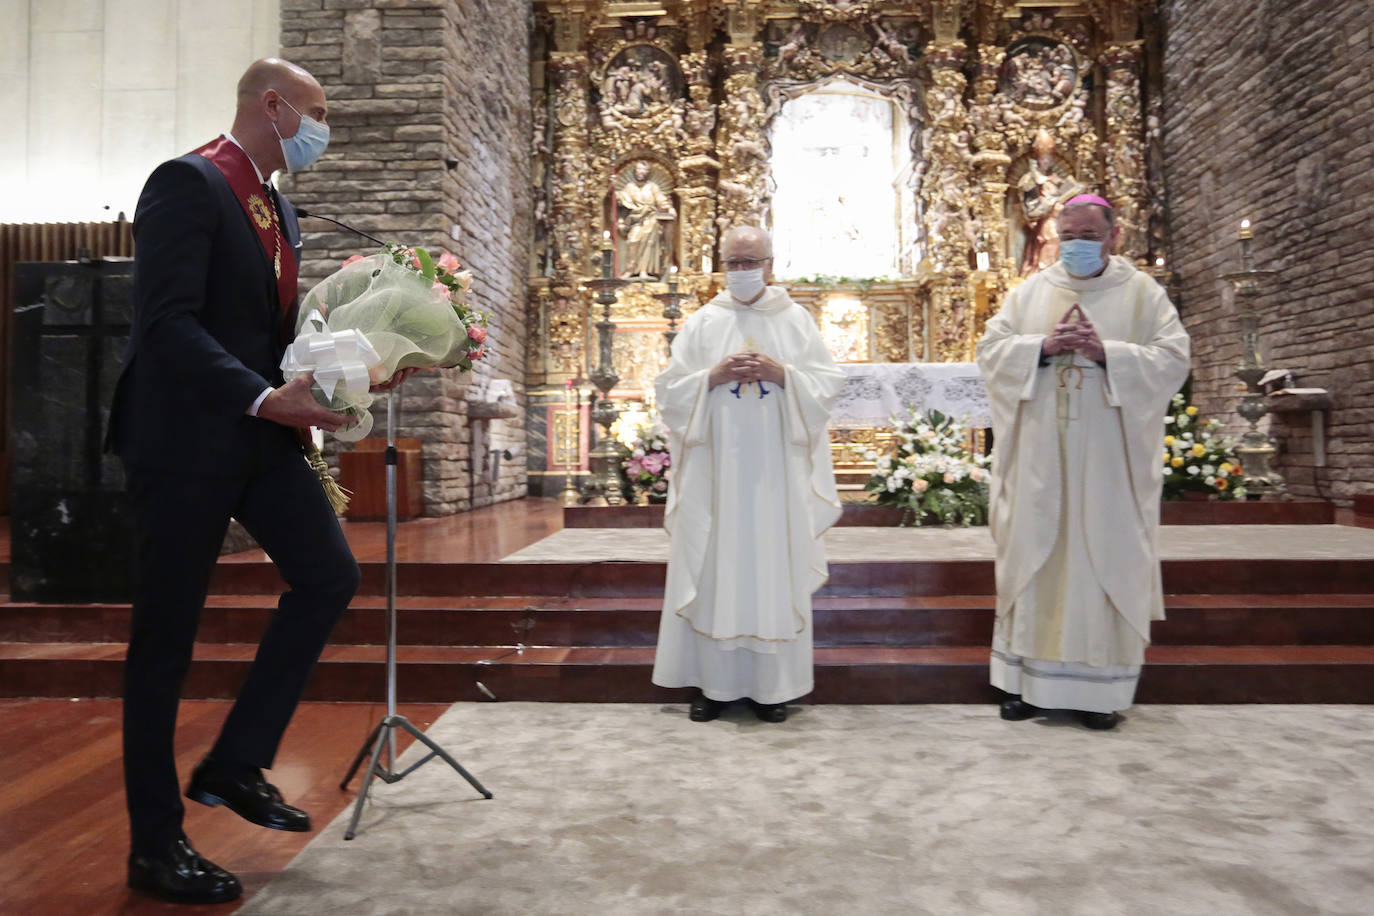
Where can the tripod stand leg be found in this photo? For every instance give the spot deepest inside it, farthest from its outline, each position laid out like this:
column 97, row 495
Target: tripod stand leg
column 362, row 752
column 381, row 733
column 403, row 722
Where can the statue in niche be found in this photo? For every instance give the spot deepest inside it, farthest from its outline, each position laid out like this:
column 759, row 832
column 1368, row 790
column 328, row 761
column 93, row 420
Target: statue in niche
column 646, row 215
column 1043, row 189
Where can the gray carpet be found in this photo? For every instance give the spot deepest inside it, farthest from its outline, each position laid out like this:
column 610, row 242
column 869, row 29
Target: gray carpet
column 611, row 809
column 857, row 544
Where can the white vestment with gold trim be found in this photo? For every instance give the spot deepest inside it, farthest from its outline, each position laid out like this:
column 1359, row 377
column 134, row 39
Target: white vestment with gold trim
column 751, row 495
column 1075, row 489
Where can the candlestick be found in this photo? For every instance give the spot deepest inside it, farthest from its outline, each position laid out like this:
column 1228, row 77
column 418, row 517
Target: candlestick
column 606, row 255
column 983, row 260
column 1246, row 236
column 672, row 279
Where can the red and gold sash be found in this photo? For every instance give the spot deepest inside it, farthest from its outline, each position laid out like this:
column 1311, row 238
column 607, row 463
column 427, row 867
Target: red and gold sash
column 238, row 170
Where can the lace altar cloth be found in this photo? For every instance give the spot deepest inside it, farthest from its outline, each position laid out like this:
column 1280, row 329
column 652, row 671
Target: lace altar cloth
column 873, row 392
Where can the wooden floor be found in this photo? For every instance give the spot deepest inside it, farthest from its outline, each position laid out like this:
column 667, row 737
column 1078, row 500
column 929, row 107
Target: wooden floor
column 63, row 828
column 64, row 839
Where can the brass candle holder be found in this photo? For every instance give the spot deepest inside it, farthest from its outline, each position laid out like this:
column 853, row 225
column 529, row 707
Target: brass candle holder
column 1256, row 449
column 672, row 307
column 603, row 484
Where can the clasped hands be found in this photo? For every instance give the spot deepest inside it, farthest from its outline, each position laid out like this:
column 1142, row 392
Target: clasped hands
column 293, row 405
column 748, row 366
column 1074, row 333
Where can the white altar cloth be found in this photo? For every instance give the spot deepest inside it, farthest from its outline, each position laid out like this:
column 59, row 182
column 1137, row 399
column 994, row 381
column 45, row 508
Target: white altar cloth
column 874, row 392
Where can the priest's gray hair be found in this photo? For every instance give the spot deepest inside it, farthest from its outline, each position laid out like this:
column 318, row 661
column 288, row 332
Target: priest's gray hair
column 747, row 234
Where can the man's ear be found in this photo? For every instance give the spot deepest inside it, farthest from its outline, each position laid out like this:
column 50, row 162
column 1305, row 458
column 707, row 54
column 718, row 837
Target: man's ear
column 1113, row 238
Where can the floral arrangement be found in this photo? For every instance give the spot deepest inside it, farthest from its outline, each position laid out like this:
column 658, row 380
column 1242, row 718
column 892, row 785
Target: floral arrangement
column 398, row 308
column 647, row 463
column 934, row 474
column 1197, row 457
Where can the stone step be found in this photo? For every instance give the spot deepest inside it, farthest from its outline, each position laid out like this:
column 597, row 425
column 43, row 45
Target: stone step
column 840, row 621
column 1173, row 674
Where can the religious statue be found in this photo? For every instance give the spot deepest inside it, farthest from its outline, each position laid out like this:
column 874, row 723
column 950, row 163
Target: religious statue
column 645, row 215
column 1043, row 190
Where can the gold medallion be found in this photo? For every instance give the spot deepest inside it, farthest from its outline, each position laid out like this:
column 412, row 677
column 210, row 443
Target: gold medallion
column 259, row 210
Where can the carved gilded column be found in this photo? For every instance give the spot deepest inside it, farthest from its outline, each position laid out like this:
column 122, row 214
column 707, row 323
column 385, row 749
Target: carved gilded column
column 570, row 214
column 740, row 143
column 947, row 195
column 1125, row 146
column 698, row 167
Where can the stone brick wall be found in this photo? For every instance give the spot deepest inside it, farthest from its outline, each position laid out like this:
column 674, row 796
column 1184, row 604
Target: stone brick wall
column 1268, row 116
column 429, row 109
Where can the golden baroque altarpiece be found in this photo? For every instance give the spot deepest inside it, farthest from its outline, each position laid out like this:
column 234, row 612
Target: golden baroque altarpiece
column 652, row 126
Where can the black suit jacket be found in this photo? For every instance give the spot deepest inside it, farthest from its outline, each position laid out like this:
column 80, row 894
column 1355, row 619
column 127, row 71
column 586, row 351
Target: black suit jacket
column 207, row 335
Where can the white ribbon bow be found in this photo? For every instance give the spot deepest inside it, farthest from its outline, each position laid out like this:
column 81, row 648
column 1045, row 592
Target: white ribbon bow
column 336, row 357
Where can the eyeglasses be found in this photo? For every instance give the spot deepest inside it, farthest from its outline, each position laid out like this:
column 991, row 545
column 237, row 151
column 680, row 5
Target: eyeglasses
column 743, row 263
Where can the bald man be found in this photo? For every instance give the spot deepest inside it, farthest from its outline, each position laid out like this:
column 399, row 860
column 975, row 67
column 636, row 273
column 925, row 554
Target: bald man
column 746, row 398
column 207, row 430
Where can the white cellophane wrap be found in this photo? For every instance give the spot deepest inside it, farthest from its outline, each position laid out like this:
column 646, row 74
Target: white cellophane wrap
column 404, row 317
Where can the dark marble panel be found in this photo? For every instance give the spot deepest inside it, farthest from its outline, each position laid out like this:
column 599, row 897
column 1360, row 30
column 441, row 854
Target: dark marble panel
column 49, row 395
column 69, row 295
column 117, row 295
column 70, row 546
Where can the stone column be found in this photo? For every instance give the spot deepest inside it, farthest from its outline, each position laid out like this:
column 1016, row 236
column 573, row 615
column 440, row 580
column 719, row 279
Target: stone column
column 426, row 99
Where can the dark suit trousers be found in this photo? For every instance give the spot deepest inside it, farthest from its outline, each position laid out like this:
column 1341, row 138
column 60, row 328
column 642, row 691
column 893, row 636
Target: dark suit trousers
column 180, row 523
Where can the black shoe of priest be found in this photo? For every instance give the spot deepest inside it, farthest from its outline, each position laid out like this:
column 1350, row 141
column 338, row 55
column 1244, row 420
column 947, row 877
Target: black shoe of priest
column 1099, row 721
column 1017, row 709
column 704, row 709
column 771, row 712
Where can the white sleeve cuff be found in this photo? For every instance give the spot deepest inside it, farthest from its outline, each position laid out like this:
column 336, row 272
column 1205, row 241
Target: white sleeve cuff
column 253, row 411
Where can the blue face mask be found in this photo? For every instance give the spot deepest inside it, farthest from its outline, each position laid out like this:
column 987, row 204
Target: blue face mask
column 1081, row 257
column 307, row 145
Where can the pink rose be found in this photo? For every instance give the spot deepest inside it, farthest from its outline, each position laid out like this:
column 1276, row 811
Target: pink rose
column 660, row 486
column 440, row 291
column 449, row 263
column 949, row 477
column 478, row 334
column 478, row 353
column 920, row 486
column 356, row 257
column 653, row 462
column 634, row 467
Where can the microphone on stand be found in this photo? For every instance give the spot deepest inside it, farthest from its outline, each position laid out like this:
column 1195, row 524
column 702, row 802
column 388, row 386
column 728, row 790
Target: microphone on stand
column 305, row 214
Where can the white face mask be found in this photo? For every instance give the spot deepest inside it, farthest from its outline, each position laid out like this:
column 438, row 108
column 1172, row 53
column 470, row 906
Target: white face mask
column 744, row 285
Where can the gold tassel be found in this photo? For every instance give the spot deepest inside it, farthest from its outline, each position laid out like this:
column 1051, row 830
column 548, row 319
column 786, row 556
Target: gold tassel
column 337, row 495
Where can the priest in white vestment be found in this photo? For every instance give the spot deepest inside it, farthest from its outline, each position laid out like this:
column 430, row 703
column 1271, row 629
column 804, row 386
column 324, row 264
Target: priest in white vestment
column 1080, row 365
column 746, row 398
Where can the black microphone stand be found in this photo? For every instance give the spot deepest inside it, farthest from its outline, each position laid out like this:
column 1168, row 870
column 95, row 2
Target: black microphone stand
column 383, row 737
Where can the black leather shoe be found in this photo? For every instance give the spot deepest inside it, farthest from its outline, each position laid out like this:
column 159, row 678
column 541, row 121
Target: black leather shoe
column 1099, row 721
column 182, row 876
column 704, row 709
column 771, row 712
column 246, row 794
column 1017, row 709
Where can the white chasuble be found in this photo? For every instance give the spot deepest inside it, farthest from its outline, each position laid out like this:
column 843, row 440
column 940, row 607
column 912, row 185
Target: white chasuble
column 1075, row 487
column 751, row 495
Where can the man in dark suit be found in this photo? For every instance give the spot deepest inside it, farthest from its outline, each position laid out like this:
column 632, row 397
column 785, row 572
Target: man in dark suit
column 207, row 430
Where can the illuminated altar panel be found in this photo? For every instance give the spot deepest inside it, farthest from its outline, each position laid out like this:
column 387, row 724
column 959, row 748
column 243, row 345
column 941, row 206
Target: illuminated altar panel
column 835, row 160
column 844, row 328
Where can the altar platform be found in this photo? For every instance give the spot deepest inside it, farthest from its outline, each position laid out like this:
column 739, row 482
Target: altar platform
column 518, row 602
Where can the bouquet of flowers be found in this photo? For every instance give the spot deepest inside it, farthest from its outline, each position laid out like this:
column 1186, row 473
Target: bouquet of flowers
column 934, row 473
column 646, row 463
column 396, row 309
column 1197, row 457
